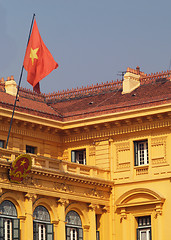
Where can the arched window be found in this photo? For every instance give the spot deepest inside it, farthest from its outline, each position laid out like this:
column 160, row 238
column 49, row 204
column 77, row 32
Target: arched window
column 42, row 228
column 74, row 229
column 9, row 223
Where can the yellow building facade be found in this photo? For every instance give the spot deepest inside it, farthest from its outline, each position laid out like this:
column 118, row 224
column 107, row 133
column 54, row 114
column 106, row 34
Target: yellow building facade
column 101, row 161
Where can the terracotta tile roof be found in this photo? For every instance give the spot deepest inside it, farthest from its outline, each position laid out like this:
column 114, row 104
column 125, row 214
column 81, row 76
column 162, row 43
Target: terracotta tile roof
column 155, row 89
column 29, row 105
column 146, row 95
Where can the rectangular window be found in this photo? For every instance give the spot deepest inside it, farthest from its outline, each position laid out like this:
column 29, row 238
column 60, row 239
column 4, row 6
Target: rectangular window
column 74, row 233
column 42, row 231
column 78, row 156
column 9, row 228
column 2, row 143
column 141, row 153
column 144, row 228
column 31, row 149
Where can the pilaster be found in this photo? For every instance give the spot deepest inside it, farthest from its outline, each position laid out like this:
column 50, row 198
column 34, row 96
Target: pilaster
column 92, row 217
column 62, row 203
column 29, row 197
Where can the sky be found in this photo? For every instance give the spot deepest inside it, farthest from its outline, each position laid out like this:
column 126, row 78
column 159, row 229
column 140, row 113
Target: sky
column 91, row 40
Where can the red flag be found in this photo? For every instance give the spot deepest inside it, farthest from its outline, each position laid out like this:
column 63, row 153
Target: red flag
column 38, row 61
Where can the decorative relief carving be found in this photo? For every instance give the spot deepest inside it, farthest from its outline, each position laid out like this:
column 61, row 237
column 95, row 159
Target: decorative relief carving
column 122, row 155
column 28, row 180
column 158, row 150
column 38, row 183
column 96, row 193
column 63, row 187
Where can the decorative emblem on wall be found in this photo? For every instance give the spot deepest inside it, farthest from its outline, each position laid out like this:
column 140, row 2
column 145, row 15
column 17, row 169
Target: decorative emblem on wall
column 20, row 168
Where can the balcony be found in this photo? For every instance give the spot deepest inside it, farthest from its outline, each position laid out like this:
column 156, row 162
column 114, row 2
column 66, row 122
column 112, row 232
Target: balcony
column 56, row 166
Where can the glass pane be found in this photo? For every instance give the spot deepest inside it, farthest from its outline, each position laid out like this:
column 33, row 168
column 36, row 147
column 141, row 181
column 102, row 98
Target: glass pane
column 49, row 228
column 80, row 231
column 8, row 208
column 1, row 143
column 16, row 233
column 41, row 213
column 49, row 237
column 73, row 218
column 16, row 223
column 143, row 235
column 1, row 228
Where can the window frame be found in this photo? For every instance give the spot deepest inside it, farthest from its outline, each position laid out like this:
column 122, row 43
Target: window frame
column 70, row 227
column 144, row 227
column 31, row 147
column 48, row 231
column 14, row 222
column 76, row 157
column 141, row 156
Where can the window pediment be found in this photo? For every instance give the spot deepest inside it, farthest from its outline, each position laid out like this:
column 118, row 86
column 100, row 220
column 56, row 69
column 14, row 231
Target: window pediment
column 140, row 196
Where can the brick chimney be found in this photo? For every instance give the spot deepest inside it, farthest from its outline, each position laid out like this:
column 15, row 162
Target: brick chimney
column 11, row 86
column 131, row 80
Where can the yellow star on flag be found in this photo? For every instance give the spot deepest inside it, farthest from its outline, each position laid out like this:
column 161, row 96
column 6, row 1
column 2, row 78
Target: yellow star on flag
column 33, row 54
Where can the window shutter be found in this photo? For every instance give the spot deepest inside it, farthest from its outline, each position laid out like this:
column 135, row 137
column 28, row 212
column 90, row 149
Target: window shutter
column 49, row 231
column 150, row 234
column 135, row 153
column 97, row 235
column 67, row 233
column 84, row 156
column 138, row 234
column 16, row 229
column 80, row 234
column 1, row 229
column 35, row 231
column 73, row 156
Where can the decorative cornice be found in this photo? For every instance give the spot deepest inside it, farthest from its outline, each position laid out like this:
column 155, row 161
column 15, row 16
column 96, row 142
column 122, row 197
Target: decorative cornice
column 123, row 128
column 71, row 178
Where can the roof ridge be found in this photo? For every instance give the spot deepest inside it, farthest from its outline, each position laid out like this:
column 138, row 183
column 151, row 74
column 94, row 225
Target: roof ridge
column 150, row 78
column 72, row 93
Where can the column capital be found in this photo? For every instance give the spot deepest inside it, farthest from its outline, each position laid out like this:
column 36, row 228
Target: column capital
column 106, row 208
column 93, row 207
column 55, row 222
column 22, row 218
column 86, row 227
column 30, row 196
column 63, row 202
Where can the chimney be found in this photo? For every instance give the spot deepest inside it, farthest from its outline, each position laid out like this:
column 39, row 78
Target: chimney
column 11, row 86
column 131, row 80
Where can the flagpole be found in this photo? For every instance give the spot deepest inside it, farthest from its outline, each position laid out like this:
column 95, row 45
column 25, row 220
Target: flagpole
column 21, row 74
